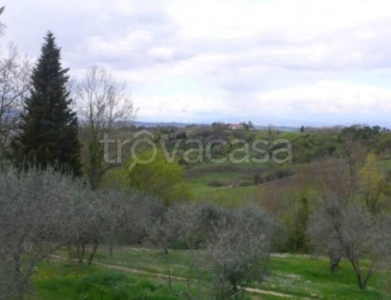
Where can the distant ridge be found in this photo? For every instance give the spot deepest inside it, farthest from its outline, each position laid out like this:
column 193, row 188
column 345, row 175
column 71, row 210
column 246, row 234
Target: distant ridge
column 162, row 124
column 183, row 125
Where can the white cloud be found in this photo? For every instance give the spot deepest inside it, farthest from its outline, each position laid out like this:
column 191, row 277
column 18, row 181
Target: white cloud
column 329, row 97
column 182, row 108
column 317, row 102
column 224, row 58
column 301, row 19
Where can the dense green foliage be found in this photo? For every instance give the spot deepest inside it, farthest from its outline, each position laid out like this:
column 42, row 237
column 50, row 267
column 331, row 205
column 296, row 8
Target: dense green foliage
column 152, row 173
column 49, row 128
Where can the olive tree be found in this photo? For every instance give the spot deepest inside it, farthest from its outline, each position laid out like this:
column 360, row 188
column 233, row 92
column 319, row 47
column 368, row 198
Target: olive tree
column 351, row 230
column 110, row 218
column 321, row 230
column 128, row 217
column 232, row 245
column 36, row 214
column 43, row 211
column 196, row 224
column 239, row 252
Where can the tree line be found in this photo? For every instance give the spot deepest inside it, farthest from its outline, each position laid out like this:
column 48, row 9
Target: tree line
column 44, row 211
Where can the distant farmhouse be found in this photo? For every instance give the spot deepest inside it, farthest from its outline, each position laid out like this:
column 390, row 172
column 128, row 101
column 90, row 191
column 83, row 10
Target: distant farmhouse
column 235, row 127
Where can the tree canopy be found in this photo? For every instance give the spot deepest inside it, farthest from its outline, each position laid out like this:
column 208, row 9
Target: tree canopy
column 49, row 127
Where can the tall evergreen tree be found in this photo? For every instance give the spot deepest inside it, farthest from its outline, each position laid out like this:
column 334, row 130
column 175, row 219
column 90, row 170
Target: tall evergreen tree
column 49, row 127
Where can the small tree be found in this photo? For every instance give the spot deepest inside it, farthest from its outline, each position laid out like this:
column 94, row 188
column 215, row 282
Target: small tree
column 160, row 233
column 297, row 239
column 239, row 252
column 14, row 85
column 372, row 182
column 103, row 104
column 37, row 212
column 324, row 222
column 159, row 177
column 350, row 229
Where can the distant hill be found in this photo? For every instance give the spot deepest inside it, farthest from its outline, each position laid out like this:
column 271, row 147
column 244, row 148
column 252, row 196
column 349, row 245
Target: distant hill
column 164, row 124
column 183, row 125
column 279, row 128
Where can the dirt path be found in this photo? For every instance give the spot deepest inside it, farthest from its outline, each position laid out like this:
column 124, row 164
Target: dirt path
column 160, row 275
column 135, row 271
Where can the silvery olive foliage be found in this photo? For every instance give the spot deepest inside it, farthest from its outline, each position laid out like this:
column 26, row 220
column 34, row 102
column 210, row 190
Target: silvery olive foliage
column 37, row 210
column 233, row 245
column 43, row 211
column 350, row 230
column 239, row 252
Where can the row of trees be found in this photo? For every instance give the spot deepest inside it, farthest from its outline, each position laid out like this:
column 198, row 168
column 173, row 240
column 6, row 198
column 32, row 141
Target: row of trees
column 43, row 211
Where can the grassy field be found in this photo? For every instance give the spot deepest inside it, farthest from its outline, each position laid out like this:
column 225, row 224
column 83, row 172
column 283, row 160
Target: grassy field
column 65, row 281
column 310, row 277
column 231, row 175
column 141, row 274
column 236, row 179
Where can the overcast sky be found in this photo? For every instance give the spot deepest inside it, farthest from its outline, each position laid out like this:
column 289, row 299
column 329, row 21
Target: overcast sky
column 284, row 62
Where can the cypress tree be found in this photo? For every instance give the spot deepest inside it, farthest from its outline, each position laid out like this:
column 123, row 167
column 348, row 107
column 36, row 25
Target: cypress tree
column 49, row 127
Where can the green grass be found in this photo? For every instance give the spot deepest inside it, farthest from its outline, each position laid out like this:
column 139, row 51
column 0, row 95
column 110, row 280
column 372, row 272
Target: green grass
column 385, row 165
column 232, row 176
column 197, row 178
column 147, row 260
column 310, row 277
column 295, row 275
column 64, row 281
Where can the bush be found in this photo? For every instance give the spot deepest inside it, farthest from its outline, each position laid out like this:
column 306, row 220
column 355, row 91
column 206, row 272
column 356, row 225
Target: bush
column 215, row 183
column 257, row 179
column 159, row 177
column 244, row 183
column 277, row 174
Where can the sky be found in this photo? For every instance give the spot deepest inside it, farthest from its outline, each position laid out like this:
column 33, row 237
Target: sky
column 280, row 62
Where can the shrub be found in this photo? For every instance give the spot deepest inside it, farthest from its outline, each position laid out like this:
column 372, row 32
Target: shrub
column 277, row 174
column 244, row 183
column 215, row 183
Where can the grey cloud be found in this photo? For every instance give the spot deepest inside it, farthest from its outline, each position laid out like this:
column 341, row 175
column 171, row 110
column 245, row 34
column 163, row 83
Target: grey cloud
column 94, row 31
